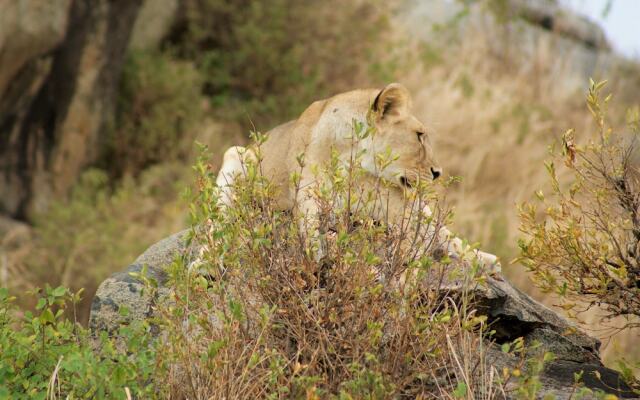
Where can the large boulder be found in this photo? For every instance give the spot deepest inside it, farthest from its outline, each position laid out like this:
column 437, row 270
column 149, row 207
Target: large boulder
column 121, row 289
column 60, row 66
column 512, row 314
column 29, row 29
column 57, row 93
column 154, row 23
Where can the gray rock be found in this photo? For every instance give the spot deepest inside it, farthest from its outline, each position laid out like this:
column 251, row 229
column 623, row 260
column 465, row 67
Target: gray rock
column 511, row 313
column 514, row 314
column 570, row 46
column 28, row 29
column 123, row 290
column 153, row 23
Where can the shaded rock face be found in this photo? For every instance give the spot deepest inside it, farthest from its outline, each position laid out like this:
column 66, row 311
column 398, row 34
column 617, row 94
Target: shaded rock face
column 512, row 313
column 56, row 103
column 30, row 31
column 60, row 64
column 548, row 15
column 154, row 22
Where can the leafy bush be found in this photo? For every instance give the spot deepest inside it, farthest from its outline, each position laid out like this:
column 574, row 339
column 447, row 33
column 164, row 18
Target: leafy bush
column 582, row 244
column 256, row 316
column 47, row 356
column 586, row 247
column 158, row 108
column 254, row 60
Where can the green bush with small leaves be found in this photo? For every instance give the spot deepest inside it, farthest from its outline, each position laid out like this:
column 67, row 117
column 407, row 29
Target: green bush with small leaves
column 581, row 240
column 159, row 106
column 255, row 315
column 45, row 355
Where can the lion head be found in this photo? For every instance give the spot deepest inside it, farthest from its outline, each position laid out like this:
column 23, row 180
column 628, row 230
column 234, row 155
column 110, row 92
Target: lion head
column 399, row 132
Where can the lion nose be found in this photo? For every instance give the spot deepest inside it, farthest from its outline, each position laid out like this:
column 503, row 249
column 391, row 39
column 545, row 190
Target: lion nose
column 436, row 172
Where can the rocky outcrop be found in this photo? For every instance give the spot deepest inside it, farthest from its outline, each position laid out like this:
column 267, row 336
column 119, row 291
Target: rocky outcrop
column 60, row 64
column 529, row 34
column 512, row 314
column 551, row 17
column 121, row 289
column 57, row 101
column 154, row 23
column 29, row 30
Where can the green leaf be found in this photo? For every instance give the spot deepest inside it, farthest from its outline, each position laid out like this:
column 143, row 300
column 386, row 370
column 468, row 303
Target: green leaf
column 215, row 347
column 59, row 291
column 236, row 310
column 505, row 347
column 41, row 303
column 548, row 356
column 47, row 316
column 461, row 390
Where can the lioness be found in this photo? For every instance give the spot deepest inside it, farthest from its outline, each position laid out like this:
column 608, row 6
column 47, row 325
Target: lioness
column 326, row 126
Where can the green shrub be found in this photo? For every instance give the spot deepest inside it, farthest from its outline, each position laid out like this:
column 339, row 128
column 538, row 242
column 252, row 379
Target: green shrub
column 581, row 243
column 255, row 61
column 585, row 248
column 256, row 316
column 159, row 106
column 44, row 355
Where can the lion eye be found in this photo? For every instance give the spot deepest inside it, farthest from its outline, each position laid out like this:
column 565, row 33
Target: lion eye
column 420, row 135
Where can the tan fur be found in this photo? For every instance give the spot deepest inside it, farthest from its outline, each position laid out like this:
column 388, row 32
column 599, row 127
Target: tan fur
column 328, row 125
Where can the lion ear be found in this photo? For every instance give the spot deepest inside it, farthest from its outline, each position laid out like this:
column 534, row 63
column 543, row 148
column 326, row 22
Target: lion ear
column 394, row 100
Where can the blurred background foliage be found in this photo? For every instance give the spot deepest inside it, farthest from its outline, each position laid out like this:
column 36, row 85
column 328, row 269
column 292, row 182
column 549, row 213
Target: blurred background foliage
column 155, row 113
column 266, row 61
column 495, row 87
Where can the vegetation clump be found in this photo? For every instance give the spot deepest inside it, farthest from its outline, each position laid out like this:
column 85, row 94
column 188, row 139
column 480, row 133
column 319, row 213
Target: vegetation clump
column 585, row 248
column 583, row 243
column 385, row 315
column 45, row 355
column 157, row 113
